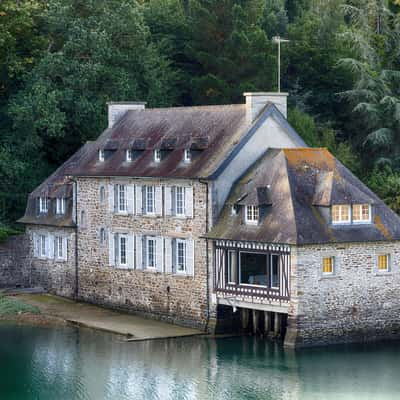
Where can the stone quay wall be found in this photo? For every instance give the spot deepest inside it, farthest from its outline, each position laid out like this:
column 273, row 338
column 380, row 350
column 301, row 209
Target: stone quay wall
column 15, row 262
column 178, row 299
column 357, row 303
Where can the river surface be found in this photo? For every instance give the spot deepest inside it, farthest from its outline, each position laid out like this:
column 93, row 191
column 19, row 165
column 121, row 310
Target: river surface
column 72, row 363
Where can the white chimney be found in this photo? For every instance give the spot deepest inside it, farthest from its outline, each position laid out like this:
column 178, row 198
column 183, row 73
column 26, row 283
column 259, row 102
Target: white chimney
column 117, row 109
column 256, row 101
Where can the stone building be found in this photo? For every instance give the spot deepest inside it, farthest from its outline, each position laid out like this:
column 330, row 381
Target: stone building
column 206, row 216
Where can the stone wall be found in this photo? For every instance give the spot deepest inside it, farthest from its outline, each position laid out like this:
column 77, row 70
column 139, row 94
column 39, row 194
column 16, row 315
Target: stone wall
column 357, row 303
column 15, row 262
column 56, row 277
column 178, row 299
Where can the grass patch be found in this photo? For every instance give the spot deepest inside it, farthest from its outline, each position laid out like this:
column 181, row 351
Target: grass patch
column 12, row 306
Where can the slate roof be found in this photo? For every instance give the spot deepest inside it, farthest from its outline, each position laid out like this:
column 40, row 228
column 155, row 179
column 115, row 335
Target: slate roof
column 211, row 132
column 303, row 182
column 56, row 185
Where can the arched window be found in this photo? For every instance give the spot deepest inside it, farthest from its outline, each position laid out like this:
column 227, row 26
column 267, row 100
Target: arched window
column 102, row 235
column 102, row 194
column 83, row 219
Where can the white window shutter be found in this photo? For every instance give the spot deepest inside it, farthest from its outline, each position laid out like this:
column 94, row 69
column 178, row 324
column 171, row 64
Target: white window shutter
column 130, row 251
column 190, row 257
column 173, row 255
column 189, row 201
column 139, row 251
column 35, row 239
column 111, row 198
column 50, row 246
column 111, row 246
column 65, row 248
column 130, row 201
column 139, row 199
column 168, row 255
column 158, row 200
column 167, row 201
column 160, row 254
column 173, row 200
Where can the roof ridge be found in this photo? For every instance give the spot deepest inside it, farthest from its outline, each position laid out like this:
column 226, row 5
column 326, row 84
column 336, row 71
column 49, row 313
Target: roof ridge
column 174, row 108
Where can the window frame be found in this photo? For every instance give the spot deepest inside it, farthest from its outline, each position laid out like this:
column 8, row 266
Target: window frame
column 187, row 156
column 180, row 189
column 157, row 155
column 60, row 205
column 332, row 262
column 43, row 204
column 254, row 213
column 102, row 194
column 341, row 221
column 103, row 235
column 101, row 155
column 122, row 238
column 153, row 240
column 59, row 245
column 388, row 263
column 361, row 221
column 152, row 190
column 43, row 245
column 128, row 155
column 181, row 268
column 124, row 209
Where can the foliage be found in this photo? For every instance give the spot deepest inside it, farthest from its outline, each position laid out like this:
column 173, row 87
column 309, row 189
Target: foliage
column 12, row 306
column 386, row 184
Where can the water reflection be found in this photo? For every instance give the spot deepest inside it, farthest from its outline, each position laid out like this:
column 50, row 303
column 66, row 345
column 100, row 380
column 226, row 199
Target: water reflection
column 68, row 363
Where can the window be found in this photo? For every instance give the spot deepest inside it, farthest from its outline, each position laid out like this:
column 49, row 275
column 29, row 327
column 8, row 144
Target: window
column 361, row 213
column 187, row 156
column 128, row 155
column 60, row 206
column 101, row 155
column 253, row 269
column 43, row 245
column 180, row 256
column 383, row 262
column 274, row 271
column 340, row 214
column 122, row 206
column 59, row 247
column 233, row 210
column 180, row 200
column 252, row 214
column 232, row 267
column 123, row 259
column 102, row 194
column 102, row 235
column 83, row 219
column 150, row 200
column 157, row 155
column 43, row 204
column 151, row 253
column 327, row 265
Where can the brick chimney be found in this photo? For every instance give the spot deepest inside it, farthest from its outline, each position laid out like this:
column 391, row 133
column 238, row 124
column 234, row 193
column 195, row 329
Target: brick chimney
column 256, row 101
column 117, row 109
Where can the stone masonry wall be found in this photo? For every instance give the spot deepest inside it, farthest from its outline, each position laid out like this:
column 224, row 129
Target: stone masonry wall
column 357, row 303
column 56, row 277
column 178, row 299
column 15, row 262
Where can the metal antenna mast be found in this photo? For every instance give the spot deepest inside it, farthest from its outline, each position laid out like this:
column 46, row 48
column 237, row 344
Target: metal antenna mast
column 279, row 40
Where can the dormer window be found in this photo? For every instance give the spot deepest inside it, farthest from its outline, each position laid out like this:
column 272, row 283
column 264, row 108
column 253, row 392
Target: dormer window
column 43, row 204
column 251, row 215
column 361, row 213
column 340, row 214
column 101, row 155
column 128, row 155
column 60, row 206
column 157, row 155
column 187, row 157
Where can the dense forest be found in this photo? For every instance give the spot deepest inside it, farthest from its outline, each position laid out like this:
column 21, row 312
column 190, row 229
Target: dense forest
column 63, row 60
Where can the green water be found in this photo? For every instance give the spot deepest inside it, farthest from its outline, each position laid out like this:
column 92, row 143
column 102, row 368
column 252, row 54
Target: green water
column 69, row 363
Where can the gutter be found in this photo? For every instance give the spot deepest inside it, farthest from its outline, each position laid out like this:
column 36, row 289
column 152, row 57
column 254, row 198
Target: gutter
column 207, row 256
column 76, row 291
